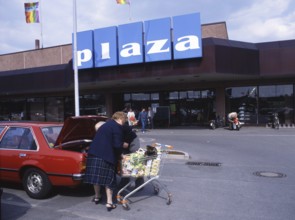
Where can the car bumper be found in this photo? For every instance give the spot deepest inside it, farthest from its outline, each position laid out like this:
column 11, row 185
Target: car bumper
column 78, row 176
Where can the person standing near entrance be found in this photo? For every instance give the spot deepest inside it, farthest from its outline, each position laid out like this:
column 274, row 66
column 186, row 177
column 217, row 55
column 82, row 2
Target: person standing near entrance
column 150, row 118
column 131, row 118
column 143, row 117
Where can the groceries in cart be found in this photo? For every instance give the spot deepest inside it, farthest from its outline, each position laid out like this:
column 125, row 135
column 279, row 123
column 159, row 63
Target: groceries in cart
column 151, row 150
column 141, row 163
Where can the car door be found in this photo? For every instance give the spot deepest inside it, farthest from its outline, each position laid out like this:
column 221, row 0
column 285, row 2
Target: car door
column 16, row 146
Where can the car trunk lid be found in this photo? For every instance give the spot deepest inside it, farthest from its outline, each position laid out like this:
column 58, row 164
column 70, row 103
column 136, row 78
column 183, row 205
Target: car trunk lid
column 77, row 130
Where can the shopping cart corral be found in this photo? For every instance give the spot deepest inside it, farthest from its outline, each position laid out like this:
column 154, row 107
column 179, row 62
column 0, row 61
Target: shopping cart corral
column 147, row 163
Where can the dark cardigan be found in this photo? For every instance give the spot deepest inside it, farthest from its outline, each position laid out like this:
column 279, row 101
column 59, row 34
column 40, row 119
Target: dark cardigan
column 108, row 142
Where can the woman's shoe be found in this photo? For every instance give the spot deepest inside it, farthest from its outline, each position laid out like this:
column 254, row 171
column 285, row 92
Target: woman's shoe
column 96, row 200
column 110, row 206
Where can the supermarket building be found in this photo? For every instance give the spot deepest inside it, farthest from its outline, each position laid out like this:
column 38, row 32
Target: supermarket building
column 206, row 74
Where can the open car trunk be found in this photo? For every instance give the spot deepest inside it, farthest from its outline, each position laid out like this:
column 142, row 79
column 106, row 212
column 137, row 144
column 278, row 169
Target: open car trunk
column 78, row 132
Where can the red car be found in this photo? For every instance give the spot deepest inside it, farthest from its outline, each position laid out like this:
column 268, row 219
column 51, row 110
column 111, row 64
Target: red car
column 41, row 155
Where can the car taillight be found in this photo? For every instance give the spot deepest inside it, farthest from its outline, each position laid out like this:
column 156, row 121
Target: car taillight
column 83, row 163
column 83, row 166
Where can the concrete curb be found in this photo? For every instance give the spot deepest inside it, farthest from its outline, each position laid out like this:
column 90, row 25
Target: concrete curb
column 176, row 154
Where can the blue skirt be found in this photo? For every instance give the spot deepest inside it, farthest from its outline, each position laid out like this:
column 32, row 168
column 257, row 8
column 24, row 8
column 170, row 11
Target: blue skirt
column 100, row 172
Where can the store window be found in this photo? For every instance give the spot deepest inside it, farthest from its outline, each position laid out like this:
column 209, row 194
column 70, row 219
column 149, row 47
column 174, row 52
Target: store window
column 93, row 104
column 54, row 109
column 69, row 106
column 173, row 95
column 185, row 107
column 255, row 105
column 279, row 99
column 155, row 96
column 127, row 97
column 191, row 107
column 50, row 108
column 194, row 94
column 12, row 109
column 183, row 95
column 140, row 96
column 204, row 93
column 36, row 109
column 243, row 100
column 207, row 94
column 137, row 101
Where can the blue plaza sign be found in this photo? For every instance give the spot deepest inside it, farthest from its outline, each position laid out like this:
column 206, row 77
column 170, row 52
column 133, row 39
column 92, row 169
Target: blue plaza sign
column 149, row 41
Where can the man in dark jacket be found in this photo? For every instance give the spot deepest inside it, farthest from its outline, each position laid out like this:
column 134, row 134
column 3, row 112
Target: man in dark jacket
column 143, row 118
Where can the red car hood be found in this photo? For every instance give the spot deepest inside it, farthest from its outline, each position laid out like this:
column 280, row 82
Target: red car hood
column 78, row 129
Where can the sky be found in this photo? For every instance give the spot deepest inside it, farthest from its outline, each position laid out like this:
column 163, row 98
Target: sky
column 251, row 21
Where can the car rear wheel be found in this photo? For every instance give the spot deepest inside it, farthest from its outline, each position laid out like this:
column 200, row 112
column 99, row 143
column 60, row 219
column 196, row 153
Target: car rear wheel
column 36, row 183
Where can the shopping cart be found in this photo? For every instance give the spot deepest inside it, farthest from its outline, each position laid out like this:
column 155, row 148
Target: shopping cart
column 147, row 164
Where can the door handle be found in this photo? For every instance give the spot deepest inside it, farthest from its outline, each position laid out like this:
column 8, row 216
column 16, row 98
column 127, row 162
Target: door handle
column 22, row 155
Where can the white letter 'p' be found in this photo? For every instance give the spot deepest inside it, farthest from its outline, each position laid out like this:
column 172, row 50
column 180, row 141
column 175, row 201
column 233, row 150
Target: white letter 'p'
column 83, row 56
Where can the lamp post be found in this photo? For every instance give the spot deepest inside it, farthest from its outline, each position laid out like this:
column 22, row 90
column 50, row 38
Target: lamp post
column 76, row 78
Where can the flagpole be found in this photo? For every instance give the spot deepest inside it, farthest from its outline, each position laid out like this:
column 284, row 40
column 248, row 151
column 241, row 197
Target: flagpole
column 76, row 78
column 41, row 23
column 129, row 10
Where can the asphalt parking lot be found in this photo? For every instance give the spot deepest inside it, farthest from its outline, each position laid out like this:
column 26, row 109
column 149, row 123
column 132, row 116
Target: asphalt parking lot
column 245, row 175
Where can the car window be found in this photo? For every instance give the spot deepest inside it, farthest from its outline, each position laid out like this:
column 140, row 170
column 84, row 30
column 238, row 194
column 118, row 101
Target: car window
column 51, row 134
column 18, row 138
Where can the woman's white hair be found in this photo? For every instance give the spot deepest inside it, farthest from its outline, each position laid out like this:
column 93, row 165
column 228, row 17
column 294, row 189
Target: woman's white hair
column 98, row 124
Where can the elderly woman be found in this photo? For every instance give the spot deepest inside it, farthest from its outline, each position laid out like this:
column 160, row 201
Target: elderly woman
column 233, row 120
column 102, row 157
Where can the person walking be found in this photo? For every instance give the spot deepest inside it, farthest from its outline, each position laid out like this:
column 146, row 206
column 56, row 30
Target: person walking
column 142, row 117
column 103, row 153
column 150, row 118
